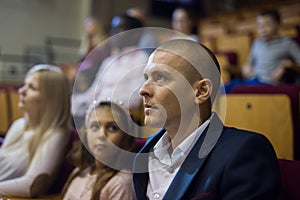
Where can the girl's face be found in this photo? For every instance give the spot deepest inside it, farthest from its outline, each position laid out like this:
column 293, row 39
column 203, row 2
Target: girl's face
column 103, row 134
column 30, row 98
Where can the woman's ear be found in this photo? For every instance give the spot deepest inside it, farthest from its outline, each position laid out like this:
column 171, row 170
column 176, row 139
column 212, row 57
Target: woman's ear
column 202, row 90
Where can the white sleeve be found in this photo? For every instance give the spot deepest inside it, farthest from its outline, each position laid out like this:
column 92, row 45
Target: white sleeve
column 46, row 160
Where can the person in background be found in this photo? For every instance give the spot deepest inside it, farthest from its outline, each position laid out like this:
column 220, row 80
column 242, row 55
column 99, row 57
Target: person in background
column 148, row 39
column 271, row 55
column 183, row 22
column 91, row 54
column 92, row 36
column 35, row 145
column 195, row 156
column 106, row 126
column 120, row 73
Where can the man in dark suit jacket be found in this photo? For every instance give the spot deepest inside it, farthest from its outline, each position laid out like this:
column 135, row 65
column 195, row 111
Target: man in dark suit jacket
column 194, row 156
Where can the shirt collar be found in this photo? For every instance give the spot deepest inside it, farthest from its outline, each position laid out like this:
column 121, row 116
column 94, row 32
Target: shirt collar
column 182, row 150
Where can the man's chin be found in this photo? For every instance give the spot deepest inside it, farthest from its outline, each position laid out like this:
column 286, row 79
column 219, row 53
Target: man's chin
column 153, row 123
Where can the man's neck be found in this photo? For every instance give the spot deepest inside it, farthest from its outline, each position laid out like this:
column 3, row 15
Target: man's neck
column 180, row 131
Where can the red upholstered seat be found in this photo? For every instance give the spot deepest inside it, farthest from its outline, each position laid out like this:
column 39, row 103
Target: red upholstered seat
column 1, row 140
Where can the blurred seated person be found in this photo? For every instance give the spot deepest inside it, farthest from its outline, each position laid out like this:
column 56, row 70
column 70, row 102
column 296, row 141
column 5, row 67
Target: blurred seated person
column 92, row 36
column 101, row 170
column 149, row 39
column 91, row 54
column 120, row 73
column 271, row 54
column 183, row 22
column 35, row 145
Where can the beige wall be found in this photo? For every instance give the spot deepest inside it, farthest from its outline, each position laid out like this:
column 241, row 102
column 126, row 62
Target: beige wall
column 28, row 22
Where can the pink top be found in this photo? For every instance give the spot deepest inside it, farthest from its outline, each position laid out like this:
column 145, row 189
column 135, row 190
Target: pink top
column 118, row 187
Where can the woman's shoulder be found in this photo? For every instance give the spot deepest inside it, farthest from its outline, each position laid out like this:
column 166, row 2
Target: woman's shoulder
column 16, row 128
column 19, row 123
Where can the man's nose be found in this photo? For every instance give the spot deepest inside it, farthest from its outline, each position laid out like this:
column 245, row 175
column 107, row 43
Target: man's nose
column 146, row 89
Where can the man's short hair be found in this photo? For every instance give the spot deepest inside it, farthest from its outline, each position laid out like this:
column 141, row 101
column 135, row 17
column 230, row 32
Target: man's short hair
column 199, row 56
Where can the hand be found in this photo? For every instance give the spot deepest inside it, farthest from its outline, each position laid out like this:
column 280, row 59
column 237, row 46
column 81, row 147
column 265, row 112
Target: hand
column 247, row 71
column 277, row 74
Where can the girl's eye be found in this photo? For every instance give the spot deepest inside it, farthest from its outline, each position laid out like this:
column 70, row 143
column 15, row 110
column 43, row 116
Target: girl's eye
column 112, row 128
column 94, row 127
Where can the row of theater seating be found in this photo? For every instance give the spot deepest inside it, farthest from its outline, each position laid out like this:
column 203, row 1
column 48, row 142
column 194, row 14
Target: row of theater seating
column 228, row 34
column 243, row 21
column 273, row 111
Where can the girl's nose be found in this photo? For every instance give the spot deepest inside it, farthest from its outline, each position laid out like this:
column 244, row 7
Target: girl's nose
column 101, row 133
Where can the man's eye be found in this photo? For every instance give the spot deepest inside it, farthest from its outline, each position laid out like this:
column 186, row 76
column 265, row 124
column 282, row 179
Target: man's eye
column 145, row 76
column 159, row 77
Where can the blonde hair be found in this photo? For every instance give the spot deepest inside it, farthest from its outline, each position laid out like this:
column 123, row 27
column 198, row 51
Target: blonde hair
column 55, row 92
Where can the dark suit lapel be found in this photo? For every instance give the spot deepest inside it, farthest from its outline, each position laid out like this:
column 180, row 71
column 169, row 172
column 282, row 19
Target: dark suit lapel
column 140, row 170
column 195, row 159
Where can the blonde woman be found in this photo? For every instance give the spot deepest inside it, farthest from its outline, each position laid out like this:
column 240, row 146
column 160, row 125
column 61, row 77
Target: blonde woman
column 100, row 171
column 35, row 145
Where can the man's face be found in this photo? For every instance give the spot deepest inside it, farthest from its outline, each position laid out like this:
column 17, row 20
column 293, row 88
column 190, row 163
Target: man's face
column 167, row 91
column 266, row 27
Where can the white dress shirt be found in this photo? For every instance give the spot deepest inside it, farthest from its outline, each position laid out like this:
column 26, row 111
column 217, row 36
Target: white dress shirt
column 163, row 166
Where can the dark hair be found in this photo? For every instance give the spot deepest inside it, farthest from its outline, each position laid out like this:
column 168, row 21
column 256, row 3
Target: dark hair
column 274, row 14
column 84, row 160
column 124, row 22
column 192, row 17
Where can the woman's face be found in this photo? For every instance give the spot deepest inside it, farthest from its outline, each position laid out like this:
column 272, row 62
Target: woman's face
column 103, row 134
column 181, row 22
column 30, row 98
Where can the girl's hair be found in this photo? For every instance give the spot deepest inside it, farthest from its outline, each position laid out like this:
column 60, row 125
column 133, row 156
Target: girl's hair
column 55, row 113
column 85, row 160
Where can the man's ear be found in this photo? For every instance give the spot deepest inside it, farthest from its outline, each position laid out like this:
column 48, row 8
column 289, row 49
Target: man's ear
column 202, row 90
